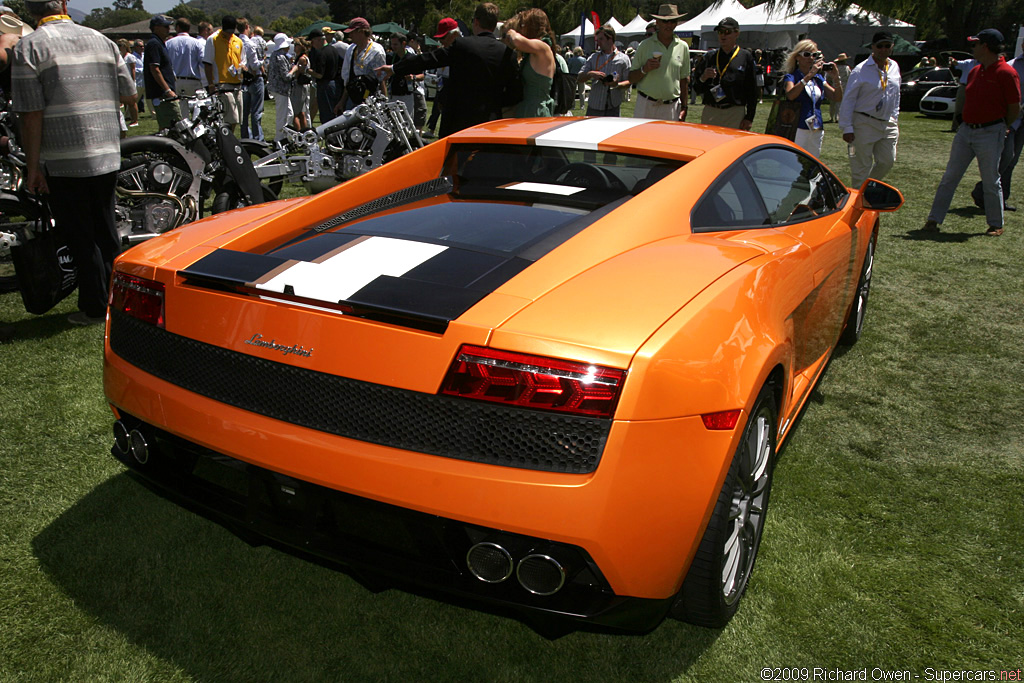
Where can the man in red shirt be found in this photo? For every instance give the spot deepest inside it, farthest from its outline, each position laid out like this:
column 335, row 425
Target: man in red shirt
column 991, row 105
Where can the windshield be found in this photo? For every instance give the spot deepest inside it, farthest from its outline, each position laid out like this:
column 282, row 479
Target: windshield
column 569, row 177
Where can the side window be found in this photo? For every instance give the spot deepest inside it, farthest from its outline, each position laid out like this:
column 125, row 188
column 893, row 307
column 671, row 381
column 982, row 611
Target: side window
column 732, row 202
column 794, row 187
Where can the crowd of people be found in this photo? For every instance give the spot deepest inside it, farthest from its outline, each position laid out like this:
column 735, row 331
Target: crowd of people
column 486, row 75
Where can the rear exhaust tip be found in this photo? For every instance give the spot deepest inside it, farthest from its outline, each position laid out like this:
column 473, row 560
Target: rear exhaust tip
column 138, row 448
column 489, row 562
column 541, row 574
column 122, row 440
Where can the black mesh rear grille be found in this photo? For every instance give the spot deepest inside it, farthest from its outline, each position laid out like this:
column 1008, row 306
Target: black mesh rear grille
column 431, row 188
column 437, row 425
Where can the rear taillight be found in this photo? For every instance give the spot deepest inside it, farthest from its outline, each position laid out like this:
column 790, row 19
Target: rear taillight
column 726, row 419
column 518, row 379
column 138, row 297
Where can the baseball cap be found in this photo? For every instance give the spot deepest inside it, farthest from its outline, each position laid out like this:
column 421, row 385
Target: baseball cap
column 989, row 36
column 316, row 33
column 358, row 22
column 882, row 37
column 728, row 23
column 160, row 20
column 445, row 26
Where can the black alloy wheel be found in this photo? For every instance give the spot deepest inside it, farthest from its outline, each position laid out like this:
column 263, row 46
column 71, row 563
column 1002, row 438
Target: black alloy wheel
column 721, row 569
column 855, row 320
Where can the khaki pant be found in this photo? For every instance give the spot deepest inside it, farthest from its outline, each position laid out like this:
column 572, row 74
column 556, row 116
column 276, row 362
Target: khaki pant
column 647, row 108
column 726, row 118
column 874, row 144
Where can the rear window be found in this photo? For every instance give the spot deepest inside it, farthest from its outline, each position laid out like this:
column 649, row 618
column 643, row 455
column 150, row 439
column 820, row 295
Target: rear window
column 570, row 177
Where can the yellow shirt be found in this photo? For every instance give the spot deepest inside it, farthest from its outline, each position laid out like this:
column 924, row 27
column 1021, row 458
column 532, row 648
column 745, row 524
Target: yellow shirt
column 663, row 82
column 227, row 54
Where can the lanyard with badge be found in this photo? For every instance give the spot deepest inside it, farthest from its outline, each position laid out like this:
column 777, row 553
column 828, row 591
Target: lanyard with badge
column 718, row 92
column 883, row 83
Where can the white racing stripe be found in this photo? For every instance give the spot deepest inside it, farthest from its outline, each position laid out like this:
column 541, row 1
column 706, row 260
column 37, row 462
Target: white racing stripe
column 588, row 133
column 545, row 187
column 345, row 273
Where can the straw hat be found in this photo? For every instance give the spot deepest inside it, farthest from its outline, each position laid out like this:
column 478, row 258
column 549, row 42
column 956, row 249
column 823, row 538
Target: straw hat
column 10, row 23
column 668, row 13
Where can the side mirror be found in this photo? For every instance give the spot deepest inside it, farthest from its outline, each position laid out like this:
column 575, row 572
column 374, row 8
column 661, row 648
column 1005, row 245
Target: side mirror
column 877, row 196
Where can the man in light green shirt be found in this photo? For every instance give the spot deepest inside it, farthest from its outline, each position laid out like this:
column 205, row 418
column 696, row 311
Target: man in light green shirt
column 661, row 70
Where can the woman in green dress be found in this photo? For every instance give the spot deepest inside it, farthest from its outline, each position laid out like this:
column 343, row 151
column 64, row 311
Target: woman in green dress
column 530, row 33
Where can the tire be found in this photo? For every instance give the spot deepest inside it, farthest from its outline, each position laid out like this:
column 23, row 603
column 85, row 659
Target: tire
column 855, row 319
column 721, row 569
column 232, row 199
column 13, row 212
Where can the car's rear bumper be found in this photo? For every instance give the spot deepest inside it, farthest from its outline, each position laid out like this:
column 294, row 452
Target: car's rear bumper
column 374, row 539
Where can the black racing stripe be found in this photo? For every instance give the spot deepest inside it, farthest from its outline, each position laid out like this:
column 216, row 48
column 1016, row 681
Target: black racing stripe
column 416, row 299
column 456, row 267
column 500, row 275
column 234, row 267
column 314, row 247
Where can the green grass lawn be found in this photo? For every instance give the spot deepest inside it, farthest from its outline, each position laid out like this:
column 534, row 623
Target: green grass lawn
column 894, row 537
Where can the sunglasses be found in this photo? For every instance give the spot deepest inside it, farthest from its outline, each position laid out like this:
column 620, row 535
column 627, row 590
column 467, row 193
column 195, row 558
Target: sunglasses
column 883, row 46
column 724, row 31
column 808, row 53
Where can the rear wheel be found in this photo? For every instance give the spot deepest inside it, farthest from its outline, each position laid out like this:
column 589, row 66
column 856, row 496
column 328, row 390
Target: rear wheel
column 721, row 569
column 855, row 320
column 232, row 198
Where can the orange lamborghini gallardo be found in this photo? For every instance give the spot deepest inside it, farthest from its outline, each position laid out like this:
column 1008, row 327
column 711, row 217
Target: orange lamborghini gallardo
column 543, row 363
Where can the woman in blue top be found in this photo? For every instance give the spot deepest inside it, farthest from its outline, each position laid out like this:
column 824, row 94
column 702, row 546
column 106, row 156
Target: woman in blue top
column 805, row 83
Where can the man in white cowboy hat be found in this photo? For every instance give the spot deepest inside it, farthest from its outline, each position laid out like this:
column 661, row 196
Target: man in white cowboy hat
column 661, row 70
column 727, row 78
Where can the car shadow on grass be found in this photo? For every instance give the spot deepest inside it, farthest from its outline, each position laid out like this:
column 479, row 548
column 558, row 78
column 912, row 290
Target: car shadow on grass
column 193, row 594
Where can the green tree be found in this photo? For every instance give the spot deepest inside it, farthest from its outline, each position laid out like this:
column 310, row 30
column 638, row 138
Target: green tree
column 953, row 20
column 128, row 4
column 18, row 7
column 105, row 17
column 190, row 12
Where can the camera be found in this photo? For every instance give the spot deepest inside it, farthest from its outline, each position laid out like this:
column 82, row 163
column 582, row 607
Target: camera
column 609, row 78
column 829, row 66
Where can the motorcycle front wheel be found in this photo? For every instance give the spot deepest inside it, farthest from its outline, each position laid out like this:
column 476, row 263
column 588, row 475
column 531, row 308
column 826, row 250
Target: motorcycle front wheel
column 232, row 198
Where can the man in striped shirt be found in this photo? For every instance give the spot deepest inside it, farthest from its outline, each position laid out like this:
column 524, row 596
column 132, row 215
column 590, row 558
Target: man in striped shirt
column 68, row 82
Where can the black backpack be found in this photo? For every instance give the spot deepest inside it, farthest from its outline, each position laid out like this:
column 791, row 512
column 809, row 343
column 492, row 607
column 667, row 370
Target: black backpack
column 563, row 90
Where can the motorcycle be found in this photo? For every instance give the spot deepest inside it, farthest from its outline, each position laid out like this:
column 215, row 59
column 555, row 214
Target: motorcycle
column 166, row 179
column 19, row 211
column 358, row 140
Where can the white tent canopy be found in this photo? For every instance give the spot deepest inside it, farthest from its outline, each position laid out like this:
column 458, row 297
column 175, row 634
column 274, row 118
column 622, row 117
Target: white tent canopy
column 636, row 27
column 573, row 36
column 834, row 32
column 712, row 15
